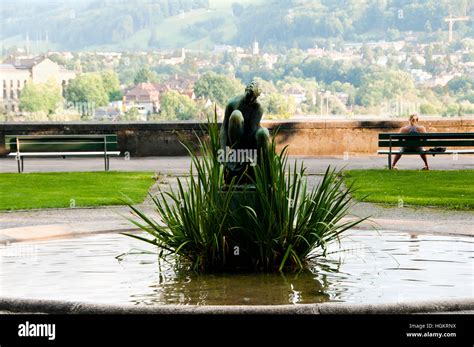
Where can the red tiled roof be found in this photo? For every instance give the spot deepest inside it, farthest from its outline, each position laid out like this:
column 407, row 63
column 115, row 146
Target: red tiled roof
column 143, row 92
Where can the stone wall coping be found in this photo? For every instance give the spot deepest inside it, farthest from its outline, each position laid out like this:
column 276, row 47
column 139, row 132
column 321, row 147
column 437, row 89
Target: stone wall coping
column 20, row 305
column 284, row 124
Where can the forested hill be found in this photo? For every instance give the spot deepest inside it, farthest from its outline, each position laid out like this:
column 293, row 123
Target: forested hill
column 301, row 22
column 78, row 24
column 150, row 24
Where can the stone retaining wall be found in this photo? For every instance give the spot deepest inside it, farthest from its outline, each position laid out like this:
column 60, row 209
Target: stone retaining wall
column 308, row 138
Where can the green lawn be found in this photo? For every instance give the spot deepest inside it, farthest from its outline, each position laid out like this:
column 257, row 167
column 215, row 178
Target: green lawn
column 71, row 189
column 449, row 189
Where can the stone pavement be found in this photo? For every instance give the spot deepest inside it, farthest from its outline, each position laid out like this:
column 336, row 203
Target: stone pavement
column 46, row 223
column 180, row 165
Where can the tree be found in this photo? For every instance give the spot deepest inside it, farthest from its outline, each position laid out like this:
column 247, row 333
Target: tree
column 278, row 105
column 88, row 89
column 393, row 34
column 380, row 85
column 267, row 87
column 428, row 109
column 217, row 88
column 461, row 85
column 333, row 26
column 367, row 53
column 111, row 84
column 40, row 97
column 144, row 75
column 131, row 115
column 176, row 106
column 123, row 28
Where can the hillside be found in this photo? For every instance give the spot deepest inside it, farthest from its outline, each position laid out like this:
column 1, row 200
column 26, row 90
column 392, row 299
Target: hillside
column 79, row 25
column 302, row 23
column 161, row 24
column 197, row 29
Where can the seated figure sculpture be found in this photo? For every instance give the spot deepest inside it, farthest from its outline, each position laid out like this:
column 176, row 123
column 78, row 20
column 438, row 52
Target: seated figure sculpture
column 241, row 132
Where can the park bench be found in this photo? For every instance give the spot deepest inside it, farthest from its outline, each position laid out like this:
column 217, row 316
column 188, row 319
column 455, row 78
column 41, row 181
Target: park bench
column 47, row 146
column 394, row 141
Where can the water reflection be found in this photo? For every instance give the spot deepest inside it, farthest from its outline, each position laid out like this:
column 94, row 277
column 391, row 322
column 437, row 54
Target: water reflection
column 236, row 289
column 369, row 267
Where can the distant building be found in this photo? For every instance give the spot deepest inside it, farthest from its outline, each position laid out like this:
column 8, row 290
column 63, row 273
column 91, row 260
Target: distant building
column 270, row 60
column 184, row 86
column 420, row 76
column 144, row 96
column 440, row 80
column 13, row 81
column 298, row 94
column 109, row 113
column 397, row 45
column 315, row 52
column 174, row 60
column 180, row 84
column 255, row 48
column 418, row 59
column 222, row 48
column 343, row 97
column 15, row 73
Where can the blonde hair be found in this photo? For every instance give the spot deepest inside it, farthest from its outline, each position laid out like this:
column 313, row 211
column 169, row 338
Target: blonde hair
column 413, row 119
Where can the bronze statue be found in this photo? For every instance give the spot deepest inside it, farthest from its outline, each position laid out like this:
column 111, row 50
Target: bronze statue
column 241, row 133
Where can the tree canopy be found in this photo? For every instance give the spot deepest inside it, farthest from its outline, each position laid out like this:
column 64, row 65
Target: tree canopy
column 87, row 88
column 217, row 88
column 41, row 97
column 380, row 85
column 175, row 106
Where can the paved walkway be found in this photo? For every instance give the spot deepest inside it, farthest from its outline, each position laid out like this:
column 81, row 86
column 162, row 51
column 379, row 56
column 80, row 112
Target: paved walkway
column 45, row 223
column 180, row 165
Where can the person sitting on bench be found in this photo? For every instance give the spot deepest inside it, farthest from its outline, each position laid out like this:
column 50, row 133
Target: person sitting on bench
column 412, row 128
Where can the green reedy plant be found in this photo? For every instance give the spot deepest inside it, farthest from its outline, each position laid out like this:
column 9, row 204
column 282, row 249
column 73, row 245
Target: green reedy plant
column 195, row 215
column 284, row 228
column 289, row 223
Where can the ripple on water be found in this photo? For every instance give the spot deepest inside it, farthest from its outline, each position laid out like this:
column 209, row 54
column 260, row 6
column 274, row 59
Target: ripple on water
column 369, row 267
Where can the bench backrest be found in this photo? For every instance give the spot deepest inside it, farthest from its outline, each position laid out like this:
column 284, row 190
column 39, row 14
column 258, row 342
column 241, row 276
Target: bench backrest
column 61, row 143
column 426, row 140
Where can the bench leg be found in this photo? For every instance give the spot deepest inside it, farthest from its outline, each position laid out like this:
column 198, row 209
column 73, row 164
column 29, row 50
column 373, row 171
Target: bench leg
column 390, row 161
column 18, row 163
column 107, row 163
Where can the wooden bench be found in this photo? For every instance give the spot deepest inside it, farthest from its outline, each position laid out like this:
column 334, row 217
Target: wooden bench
column 395, row 141
column 44, row 146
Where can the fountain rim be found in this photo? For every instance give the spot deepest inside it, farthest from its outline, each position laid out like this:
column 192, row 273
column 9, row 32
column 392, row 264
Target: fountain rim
column 45, row 306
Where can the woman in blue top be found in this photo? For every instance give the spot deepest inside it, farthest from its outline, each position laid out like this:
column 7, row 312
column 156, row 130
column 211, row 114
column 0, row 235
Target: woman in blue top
column 412, row 128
